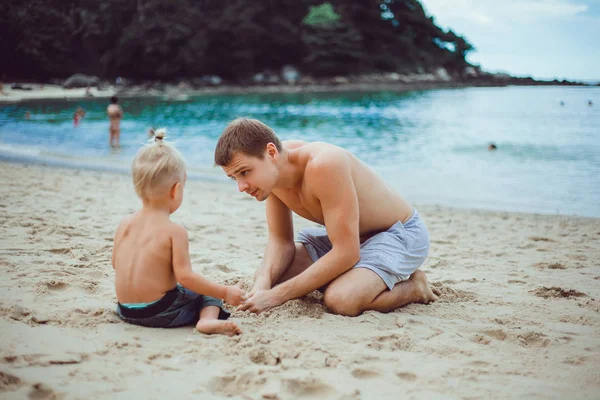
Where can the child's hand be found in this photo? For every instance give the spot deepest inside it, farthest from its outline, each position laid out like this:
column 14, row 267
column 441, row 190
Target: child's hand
column 234, row 295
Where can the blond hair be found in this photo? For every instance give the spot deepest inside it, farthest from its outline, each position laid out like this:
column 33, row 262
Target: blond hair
column 247, row 136
column 157, row 167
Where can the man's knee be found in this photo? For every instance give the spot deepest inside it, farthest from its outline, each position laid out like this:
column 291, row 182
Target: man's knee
column 340, row 301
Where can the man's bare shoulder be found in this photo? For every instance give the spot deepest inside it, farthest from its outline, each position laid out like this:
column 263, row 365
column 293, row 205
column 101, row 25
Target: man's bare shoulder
column 293, row 144
column 326, row 158
column 326, row 165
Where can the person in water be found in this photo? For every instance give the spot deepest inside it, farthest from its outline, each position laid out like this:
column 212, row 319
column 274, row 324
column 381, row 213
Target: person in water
column 154, row 280
column 115, row 114
column 78, row 116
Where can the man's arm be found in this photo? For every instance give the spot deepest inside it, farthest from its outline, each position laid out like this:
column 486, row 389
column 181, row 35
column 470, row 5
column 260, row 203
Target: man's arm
column 329, row 178
column 280, row 249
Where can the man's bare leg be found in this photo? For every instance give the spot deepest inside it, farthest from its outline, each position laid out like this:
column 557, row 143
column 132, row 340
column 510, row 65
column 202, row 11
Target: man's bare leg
column 360, row 289
column 209, row 323
column 414, row 290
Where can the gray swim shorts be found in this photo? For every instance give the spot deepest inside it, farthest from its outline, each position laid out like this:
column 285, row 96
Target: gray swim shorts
column 393, row 255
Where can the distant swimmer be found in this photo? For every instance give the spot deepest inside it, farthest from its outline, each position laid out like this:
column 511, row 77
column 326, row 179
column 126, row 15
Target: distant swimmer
column 590, row 103
column 27, row 115
column 492, row 147
column 562, row 103
column 115, row 114
column 77, row 116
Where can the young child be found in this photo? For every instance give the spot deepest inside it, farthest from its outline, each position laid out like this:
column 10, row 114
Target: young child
column 151, row 254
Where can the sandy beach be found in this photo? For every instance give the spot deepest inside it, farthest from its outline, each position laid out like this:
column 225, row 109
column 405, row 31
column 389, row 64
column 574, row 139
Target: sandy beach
column 519, row 315
column 50, row 92
column 173, row 92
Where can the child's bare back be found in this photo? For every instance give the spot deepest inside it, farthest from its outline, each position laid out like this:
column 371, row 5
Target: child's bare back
column 154, row 280
column 142, row 258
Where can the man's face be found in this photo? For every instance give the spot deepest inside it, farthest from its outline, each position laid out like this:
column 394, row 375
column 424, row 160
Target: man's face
column 255, row 176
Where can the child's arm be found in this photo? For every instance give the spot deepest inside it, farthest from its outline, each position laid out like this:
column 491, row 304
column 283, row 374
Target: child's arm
column 193, row 281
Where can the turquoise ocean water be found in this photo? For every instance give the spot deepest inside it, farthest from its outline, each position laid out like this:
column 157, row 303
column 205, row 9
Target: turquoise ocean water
column 430, row 145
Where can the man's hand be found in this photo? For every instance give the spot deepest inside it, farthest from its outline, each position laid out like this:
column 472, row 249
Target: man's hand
column 234, row 295
column 260, row 301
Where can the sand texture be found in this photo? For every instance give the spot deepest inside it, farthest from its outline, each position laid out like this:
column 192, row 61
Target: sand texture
column 519, row 314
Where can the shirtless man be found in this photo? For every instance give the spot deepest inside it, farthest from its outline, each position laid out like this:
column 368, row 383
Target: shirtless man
column 374, row 241
column 115, row 113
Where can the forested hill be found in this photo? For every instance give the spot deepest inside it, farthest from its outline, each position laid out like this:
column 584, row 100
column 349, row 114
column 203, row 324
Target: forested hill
column 234, row 39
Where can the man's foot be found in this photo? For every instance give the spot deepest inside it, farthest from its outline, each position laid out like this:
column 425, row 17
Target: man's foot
column 216, row 326
column 422, row 286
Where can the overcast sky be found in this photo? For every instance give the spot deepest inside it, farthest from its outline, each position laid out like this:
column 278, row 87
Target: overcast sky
column 545, row 39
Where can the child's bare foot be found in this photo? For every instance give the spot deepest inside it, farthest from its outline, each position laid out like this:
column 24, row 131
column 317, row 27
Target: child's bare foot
column 215, row 326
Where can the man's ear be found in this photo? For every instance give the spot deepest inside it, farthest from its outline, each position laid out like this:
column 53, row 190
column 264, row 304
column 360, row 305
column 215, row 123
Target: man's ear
column 272, row 151
column 174, row 189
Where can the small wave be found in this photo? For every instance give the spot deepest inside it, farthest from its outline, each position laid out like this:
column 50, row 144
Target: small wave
column 15, row 150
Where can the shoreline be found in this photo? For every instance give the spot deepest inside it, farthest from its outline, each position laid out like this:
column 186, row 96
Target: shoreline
column 203, row 176
column 518, row 315
column 51, row 92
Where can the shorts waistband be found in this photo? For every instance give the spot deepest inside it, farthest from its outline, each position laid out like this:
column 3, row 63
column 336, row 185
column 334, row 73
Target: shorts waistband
column 153, row 309
column 414, row 215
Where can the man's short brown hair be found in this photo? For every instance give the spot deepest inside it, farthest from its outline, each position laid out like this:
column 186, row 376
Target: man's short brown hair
column 247, row 136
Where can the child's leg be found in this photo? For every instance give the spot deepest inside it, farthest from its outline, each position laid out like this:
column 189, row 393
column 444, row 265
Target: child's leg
column 210, row 323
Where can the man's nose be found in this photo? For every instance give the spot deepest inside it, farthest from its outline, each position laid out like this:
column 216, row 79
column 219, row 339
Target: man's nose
column 242, row 186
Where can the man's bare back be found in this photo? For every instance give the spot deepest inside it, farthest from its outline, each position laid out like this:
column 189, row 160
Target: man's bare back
column 142, row 259
column 379, row 205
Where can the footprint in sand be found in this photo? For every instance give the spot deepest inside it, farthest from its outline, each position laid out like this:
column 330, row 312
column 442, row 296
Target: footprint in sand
column 497, row 334
column 479, row 338
column 516, row 281
column 449, row 295
column 306, row 387
column 224, row 268
column 540, row 239
column 60, row 250
column 533, row 339
column 40, row 391
column 479, row 363
column 365, row 373
column 406, row 376
column 391, row 342
column 578, row 360
column 18, row 313
column 234, row 385
column 8, row 382
column 556, row 292
column 550, row 265
column 263, row 356
column 56, row 285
